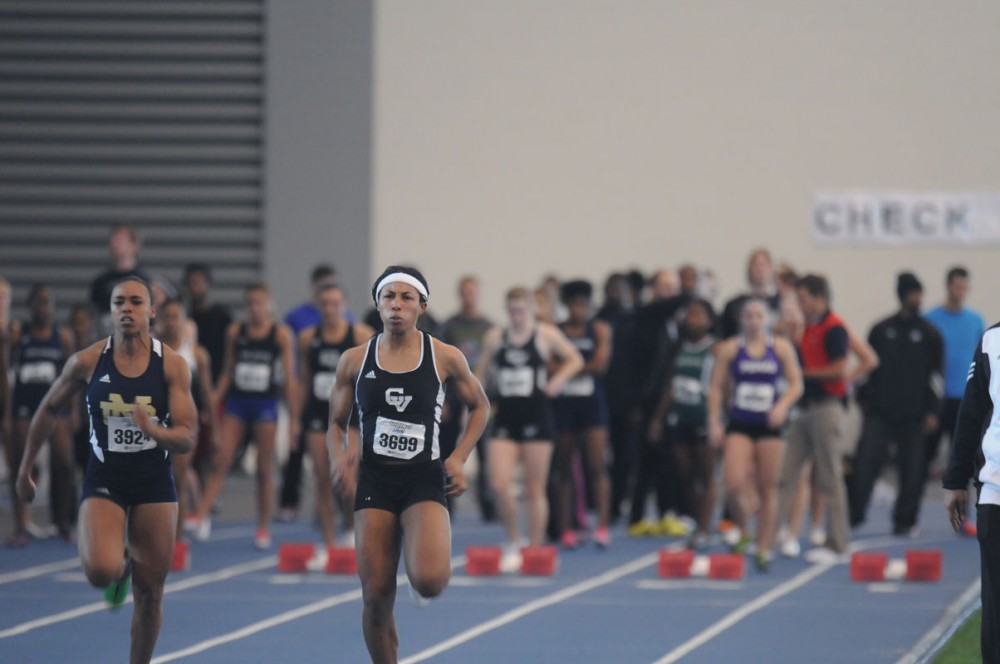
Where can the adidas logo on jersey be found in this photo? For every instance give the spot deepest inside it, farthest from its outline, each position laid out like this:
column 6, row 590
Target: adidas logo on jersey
column 105, row 379
column 370, row 374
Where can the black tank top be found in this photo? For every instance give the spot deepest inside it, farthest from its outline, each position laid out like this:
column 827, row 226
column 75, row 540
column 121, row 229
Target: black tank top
column 400, row 412
column 323, row 359
column 114, row 439
column 254, row 364
column 37, row 363
column 521, row 372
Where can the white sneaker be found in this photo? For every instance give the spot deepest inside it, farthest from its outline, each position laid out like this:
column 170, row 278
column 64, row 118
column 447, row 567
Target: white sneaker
column 817, row 536
column 824, row 556
column 417, row 598
column 318, row 562
column 791, row 548
column 262, row 540
column 202, row 530
column 510, row 561
column 732, row 536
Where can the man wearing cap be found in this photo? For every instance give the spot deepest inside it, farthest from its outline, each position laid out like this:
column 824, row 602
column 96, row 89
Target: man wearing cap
column 901, row 402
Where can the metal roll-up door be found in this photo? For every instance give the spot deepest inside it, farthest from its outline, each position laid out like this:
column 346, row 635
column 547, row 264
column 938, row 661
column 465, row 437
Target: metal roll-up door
column 146, row 112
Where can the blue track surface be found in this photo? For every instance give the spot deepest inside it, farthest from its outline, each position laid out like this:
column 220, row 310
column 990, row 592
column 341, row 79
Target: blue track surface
column 601, row 606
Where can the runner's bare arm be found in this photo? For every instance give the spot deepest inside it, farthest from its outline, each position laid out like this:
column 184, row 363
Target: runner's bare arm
column 554, row 342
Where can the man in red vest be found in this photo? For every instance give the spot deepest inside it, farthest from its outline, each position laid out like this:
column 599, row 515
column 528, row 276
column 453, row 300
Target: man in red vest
column 817, row 432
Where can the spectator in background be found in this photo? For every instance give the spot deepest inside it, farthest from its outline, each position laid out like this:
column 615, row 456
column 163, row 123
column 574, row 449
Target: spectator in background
column 960, row 328
column 465, row 330
column 618, row 311
column 307, row 314
column 212, row 319
column 760, row 283
column 655, row 325
column 975, row 455
column 815, row 433
column 901, row 402
column 688, row 275
column 123, row 242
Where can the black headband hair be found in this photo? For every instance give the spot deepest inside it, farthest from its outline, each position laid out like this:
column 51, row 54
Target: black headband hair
column 574, row 289
column 139, row 280
column 407, row 275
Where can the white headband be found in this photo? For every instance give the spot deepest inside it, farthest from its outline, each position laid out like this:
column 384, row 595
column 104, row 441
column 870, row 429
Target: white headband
column 406, row 279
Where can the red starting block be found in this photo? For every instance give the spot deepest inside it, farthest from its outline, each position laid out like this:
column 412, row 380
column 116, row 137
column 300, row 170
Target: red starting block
column 683, row 564
column 483, row 560
column 676, row 564
column 294, row 558
column 918, row 565
column 181, row 561
column 923, row 565
column 867, row 566
column 539, row 560
column 726, row 566
column 341, row 560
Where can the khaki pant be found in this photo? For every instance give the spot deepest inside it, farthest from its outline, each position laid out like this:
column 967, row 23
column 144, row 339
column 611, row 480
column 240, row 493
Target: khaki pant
column 816, row 435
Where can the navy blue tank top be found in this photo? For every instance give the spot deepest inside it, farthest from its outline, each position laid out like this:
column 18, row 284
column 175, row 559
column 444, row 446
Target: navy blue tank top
column 114, row 439
column 254, row 362
column 755, row 385
column 37, row 363
column 583, row 384
column 323, row 359
column 400, row 412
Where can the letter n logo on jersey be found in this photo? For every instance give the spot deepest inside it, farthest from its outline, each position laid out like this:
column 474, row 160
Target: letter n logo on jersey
column 394, row 397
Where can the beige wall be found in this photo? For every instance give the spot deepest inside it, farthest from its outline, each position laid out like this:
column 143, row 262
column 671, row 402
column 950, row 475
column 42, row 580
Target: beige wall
column 518, row 137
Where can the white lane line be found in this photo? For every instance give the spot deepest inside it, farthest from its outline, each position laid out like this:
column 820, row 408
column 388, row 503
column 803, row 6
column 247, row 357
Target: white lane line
column 260, row 626
column 186, row 584
column 39, row 570
column 927, row 647
column 535, row 605
column 280, row 619
column 739, row 614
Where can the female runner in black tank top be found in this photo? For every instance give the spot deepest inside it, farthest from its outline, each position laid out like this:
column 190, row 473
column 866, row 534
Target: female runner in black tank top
column 39, row 349
column 320, row 350
column 399, row 503
column 248, row 384
column 525, row 437
column 129, row 455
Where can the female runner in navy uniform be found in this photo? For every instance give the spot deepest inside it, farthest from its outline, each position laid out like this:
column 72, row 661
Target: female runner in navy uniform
column 397, row 381
column 128, row 488
column 320, row 350
column 747, row 379
column 581, row 414
column 39, row 349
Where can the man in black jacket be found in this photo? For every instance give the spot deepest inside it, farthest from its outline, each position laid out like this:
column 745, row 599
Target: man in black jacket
column 975, row 454
column 901, row 401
